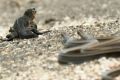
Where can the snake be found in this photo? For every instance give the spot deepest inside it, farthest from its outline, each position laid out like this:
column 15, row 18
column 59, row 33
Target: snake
column 80, row 53
column 110, row 75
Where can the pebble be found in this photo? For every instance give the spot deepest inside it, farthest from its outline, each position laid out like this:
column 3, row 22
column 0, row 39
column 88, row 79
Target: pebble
column 31, row 66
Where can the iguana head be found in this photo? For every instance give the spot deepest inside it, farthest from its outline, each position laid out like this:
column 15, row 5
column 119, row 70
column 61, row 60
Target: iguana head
column 30, row 13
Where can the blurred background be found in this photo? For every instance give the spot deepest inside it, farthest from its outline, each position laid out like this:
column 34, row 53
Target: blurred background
column 76, row 9
column 11, row 9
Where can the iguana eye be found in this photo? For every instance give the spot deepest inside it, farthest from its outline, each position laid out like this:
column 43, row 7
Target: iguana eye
column 33, row 11
column 33, row 8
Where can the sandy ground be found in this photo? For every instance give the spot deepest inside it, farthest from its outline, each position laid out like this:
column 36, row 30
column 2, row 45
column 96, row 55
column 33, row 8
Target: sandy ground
column 36, row 59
